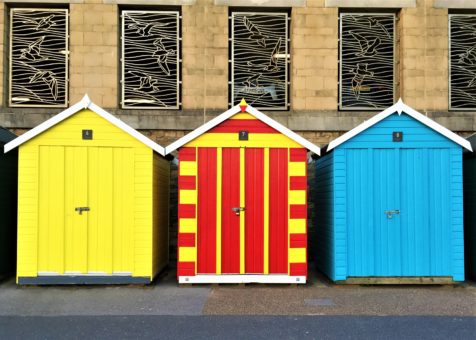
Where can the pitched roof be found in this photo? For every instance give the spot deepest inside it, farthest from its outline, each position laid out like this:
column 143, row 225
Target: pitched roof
column 6, row 135
column 400, row 107
column 85, row 103
column 231, row 112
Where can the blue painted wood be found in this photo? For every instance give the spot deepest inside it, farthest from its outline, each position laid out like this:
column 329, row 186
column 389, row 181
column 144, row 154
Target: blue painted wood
column 421, row 177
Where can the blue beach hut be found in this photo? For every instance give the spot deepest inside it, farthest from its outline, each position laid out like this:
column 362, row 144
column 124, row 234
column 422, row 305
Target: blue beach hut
column 389, row 198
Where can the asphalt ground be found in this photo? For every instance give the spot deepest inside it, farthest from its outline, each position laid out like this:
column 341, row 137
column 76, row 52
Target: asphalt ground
column 237, row 327
column 163, row 310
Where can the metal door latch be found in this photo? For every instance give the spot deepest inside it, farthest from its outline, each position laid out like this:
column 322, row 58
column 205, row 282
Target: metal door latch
column 390, row 213
column 81, row 209
column 237, row 210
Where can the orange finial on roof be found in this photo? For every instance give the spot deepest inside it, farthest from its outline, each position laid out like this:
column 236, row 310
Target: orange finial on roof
column 243, row 105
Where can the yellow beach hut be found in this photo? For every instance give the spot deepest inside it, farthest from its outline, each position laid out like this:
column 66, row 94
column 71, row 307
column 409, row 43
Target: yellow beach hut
column 93, row 199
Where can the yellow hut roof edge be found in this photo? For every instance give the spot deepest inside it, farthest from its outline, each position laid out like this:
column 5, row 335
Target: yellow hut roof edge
column 85, row 103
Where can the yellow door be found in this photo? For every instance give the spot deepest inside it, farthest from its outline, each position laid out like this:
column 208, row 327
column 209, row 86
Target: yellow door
column 85, row 210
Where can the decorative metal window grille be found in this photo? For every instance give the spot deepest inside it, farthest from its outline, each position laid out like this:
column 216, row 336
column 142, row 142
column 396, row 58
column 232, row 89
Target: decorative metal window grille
column 462, row 62
column 38, row 57
column 366, row 69
column 151, row 59
column 259, row 59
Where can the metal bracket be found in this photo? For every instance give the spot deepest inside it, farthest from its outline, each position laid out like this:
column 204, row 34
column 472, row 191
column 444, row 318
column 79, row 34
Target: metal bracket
column 390, row 213
column 81, row 209
column 237, row 210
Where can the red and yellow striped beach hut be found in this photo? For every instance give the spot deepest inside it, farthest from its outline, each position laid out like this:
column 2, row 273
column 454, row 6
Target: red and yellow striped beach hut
column 242, row 201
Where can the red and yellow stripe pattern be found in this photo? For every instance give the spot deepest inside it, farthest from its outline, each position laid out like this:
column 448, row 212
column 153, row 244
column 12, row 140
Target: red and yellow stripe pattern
column 222, row 170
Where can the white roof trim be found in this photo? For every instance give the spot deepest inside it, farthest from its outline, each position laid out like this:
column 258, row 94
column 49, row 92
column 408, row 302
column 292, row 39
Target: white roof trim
column 400, row 107
column 231, row 112
column 85, row 103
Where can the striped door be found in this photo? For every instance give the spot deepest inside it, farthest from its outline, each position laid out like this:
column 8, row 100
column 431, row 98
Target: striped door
column 242, row 223
column 95, row 241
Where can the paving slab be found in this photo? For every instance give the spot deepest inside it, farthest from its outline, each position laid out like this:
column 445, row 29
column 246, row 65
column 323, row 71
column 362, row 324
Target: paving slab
column 321, row 297
column 164, row 297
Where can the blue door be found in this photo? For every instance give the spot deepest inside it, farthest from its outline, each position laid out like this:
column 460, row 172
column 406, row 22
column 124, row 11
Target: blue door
column 398, row 212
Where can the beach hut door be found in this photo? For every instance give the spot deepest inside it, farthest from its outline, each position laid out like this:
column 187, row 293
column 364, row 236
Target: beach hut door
column 85, row 218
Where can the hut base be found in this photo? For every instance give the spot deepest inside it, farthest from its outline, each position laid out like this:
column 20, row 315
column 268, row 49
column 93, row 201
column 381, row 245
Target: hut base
column 83, row 280
column 225, row 278
column 414, row 280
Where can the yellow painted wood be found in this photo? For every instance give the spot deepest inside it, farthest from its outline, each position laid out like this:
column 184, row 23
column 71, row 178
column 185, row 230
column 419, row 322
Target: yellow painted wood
column 297, row 169
column 188, row 168
column 243, row 116
column 242, row 215
column 218, row 211
column 266, row 212
column 113, row 175
column 256, row 140
column 188, row 196
column 297, row 226
column 188, row 225
column 161, row 185
column 297, row 255
column 187, row 254
column 297, row 196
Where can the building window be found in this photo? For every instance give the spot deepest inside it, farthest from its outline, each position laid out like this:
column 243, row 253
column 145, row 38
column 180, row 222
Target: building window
column 462, row 62
column 150, row 59
column 366, row 68
column 259, row 59
column 38, row 57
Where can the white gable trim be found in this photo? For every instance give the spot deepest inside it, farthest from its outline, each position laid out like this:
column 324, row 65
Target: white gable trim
column 85, row 103
column 400, row 107
column 231, row 112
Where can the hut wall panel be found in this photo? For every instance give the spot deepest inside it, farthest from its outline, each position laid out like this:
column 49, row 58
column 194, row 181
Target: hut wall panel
column 206, row 210
column 469, row 173
column 323, row 244
column 278, row 211
column 187, row 213
column 415, row 135
column 116, row 155
column 230, row 224
column 297, row 202
column 160, row 236
column 27, row 244
column 254, row 215
column 456, row 173
column 340, row 214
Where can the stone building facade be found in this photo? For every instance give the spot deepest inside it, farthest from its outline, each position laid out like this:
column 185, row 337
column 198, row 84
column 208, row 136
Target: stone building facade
column 421, row 63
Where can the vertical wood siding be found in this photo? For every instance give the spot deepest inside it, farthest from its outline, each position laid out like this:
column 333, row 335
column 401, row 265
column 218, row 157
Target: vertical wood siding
column 161, row 198
column 266, row 175
column 278, row 211
column 254, row 218
column 230, row 224
column 112, row 173
column 370, row 174
column 206, row 247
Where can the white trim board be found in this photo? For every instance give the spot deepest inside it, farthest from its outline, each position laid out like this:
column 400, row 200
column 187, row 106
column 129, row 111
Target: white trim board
column 231, row 112
column 400, row 107
column 227, row 278
column 85, row 103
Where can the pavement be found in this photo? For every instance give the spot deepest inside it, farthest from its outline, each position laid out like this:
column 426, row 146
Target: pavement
column 165, row 309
